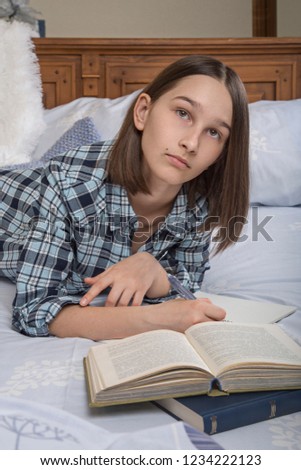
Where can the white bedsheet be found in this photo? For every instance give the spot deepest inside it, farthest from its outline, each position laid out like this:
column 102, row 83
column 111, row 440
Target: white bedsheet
column 26, row 424
column 48, row 372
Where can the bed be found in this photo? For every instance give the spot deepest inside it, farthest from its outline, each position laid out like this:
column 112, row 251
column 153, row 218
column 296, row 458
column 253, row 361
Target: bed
column 88, row 85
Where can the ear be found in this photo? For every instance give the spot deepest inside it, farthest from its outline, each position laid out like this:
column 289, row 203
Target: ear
column 141, row 110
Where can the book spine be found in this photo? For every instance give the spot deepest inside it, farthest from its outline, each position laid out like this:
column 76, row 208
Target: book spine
column 254, row 412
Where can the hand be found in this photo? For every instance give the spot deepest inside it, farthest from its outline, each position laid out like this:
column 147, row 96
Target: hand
column 180, row 314
column 130, row 280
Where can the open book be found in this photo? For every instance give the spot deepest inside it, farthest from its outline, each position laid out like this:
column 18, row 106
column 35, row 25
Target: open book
column 210, row 358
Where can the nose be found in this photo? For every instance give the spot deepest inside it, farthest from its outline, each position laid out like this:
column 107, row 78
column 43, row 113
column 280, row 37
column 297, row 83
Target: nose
column 190, row 141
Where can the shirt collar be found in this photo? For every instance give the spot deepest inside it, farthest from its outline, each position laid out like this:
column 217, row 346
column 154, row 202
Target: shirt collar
column 119, row 209
column 121, row 212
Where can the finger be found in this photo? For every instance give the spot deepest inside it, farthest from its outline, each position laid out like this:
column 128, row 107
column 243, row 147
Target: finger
column 137, row 299
column 205, row 299
column 93, row 292
column 125, row 298
column 90, row 280
column 213, row 312
column 113, row 297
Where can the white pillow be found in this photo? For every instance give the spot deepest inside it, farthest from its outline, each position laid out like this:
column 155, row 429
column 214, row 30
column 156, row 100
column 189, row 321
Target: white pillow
column 107, row 115
column 275, row 152
column 21, row 121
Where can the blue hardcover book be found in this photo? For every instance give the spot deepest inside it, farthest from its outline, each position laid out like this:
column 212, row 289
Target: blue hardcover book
column 222, row 413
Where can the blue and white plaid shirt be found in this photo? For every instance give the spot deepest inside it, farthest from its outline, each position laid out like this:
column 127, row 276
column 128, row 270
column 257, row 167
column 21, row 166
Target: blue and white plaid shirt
column 67, row 222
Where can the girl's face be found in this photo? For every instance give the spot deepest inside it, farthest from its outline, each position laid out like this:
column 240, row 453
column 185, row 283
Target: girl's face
column 184, row 131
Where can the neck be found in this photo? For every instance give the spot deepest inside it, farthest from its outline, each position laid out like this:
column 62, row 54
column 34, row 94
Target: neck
column 151, row 212
column 152, row 206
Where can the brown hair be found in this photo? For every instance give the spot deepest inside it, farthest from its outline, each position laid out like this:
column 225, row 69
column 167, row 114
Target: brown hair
column 225, row 184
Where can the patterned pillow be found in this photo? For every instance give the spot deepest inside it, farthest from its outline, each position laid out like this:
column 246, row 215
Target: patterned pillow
column 83, row 132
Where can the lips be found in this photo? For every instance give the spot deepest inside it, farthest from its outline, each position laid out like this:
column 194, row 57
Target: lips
column 177, row 161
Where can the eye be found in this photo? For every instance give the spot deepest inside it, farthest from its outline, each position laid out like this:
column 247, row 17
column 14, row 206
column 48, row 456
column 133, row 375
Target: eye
column 215, row 134
column 183, row 114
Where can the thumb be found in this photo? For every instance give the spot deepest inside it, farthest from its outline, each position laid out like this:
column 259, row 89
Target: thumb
column 90, row 280
column 208, row 301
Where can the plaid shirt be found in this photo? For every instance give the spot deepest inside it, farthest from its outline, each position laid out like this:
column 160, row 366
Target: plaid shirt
column 65, row 222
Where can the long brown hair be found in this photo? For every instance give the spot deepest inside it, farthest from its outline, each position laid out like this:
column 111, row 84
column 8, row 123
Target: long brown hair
column 225, row 184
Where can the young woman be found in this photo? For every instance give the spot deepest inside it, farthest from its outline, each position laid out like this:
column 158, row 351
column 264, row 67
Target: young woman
column 116, row 217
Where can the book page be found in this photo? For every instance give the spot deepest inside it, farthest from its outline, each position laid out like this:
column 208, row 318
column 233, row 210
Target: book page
column 223, row 344
column 248, row 311
column 127, row 359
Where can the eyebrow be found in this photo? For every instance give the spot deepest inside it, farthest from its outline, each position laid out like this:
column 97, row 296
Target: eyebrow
column 195, row 104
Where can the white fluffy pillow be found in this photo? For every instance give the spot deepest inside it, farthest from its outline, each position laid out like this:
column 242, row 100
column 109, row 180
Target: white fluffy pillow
column 21, row 121
column 275, row 152
column 107, row 115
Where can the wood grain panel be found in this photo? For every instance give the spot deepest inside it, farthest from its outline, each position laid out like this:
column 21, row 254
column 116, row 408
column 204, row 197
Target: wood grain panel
column 122, row 79
column 267, row 81
column 61, row 81
column 269, row 67
column 264, row 17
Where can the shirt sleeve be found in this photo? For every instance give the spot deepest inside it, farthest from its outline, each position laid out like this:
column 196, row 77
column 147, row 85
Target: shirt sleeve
column 45, row 261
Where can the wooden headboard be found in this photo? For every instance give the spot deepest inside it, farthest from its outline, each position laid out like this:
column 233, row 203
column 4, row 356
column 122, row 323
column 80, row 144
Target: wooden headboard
column 71, row 68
